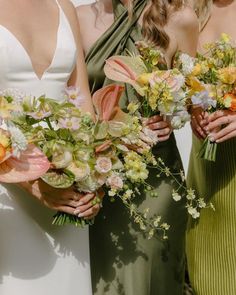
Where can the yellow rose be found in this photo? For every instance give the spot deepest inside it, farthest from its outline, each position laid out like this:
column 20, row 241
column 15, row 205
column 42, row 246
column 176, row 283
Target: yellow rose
column 227, row 75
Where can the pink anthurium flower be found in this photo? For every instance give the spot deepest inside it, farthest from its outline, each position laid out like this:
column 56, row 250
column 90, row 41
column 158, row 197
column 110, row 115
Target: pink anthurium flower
column 125, row 69
column 31, row 164
column 106, row 101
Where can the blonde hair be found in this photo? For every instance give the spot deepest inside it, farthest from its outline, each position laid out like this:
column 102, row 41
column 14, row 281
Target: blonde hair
column 155, row 19
column 203, row 11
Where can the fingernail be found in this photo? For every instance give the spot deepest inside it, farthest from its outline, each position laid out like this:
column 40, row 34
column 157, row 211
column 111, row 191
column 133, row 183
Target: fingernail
column 211, row 138
column 77, row 211
column 81, row 215
column 80, row 203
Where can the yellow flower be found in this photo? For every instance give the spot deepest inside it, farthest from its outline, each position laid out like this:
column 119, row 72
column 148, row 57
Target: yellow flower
column 225, row 38
column 197, row 70
column 4, row 138
column 6, row 108
column 194, row 84
column 144, row 79
column 220, row 54
column 227, row 75
column 133, row 107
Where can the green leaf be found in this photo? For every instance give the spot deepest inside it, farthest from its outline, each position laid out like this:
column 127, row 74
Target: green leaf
column 56, row 179
column 116, row 128
column 101, row 130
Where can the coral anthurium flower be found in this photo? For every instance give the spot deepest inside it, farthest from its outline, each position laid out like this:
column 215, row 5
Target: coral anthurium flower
column 31, row 165
column 106, row 101
column 125, row 69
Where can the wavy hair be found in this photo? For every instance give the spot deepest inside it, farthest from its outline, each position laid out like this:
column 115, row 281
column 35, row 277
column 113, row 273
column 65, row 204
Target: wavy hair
column 203, row 11
column 156, row 18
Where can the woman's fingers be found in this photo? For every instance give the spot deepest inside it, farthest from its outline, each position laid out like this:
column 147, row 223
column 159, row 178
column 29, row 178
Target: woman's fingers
column 159, row 125
column 86, row 198
column 224, row 133
column 223, row 120
column 65, row 209
column 153, row 119
column 87, row 210
column 228, row 136
column 197, row 129
column 216, row 115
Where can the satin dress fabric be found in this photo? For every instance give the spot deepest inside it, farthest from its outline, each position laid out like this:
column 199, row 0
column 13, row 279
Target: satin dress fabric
column 37, row 257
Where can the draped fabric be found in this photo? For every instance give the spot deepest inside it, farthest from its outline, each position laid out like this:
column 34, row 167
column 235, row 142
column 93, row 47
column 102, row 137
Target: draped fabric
column 123, row 261
column 211, row 242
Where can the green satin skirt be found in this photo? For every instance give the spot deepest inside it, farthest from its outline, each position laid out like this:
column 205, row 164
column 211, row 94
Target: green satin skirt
column 211, row 243
column 123, row 261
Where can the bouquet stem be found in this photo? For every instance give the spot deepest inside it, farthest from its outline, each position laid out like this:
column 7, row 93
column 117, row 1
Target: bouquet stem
column 208, row 150
column 61, row 218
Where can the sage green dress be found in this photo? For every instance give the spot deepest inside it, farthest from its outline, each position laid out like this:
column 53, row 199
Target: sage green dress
column 211, row 243
column 123, row 261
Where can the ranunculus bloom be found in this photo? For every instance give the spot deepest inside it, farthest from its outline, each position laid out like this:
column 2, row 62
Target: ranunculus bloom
column 103, row 164
column 80, row 170
column 115, row 182
column 62, row 158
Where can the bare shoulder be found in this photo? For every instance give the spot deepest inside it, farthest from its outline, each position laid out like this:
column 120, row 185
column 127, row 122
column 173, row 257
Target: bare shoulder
column 70, row 11
column 86, row 14
column 184, row 29
column 83, row 10
column 185, row 19
column 71, row 15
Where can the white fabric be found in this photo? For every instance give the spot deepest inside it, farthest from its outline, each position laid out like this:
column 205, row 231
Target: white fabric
column 82, row 2
column 37, row 258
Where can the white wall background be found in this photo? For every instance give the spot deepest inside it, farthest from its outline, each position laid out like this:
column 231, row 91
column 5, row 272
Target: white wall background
column 183, row 136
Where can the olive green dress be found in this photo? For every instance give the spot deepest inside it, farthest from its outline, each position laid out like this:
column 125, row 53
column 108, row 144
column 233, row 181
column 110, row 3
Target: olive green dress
column 123, row 261
column 211, row 243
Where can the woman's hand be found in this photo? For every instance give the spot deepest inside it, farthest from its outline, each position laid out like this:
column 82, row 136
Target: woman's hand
column 221, row 125
column 161, row 127
column 65, row 200
column 198, row 122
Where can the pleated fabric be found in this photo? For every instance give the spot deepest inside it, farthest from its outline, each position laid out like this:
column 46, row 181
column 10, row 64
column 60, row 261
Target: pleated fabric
column 211, row 243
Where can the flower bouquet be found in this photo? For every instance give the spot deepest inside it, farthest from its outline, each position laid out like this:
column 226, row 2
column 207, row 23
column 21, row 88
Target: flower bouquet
column 20, row 161
column 212, row 83
column 112, row 153
column 159, row 90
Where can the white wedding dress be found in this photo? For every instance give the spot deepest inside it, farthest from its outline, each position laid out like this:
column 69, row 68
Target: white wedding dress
column 37, row 258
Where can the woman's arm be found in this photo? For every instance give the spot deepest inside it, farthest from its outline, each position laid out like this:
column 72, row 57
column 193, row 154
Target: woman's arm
column 79, row 76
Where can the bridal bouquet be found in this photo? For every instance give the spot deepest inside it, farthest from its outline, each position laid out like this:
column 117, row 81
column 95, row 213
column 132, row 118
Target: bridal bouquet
column 20, row 161
column 113, row 153
column 159, row 90
column 211, row 79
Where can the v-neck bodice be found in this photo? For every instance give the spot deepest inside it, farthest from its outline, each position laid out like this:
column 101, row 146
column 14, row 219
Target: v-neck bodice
column 17, row 70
